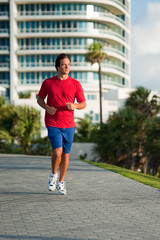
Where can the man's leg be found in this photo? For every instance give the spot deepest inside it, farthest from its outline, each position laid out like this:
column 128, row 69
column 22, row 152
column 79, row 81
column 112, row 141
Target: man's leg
column 56, row 159
column 63, row 166
column 68, row 135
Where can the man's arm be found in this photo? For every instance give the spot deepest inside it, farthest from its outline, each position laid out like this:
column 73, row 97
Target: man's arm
column 50, row 110
column 79, row 106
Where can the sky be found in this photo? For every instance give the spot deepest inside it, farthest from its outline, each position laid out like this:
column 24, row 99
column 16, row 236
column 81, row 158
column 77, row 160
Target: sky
column 145, row 44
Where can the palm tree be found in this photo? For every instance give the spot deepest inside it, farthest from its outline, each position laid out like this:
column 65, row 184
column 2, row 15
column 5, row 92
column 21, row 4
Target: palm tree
column 84, row 129
column 2, row 101
column 118, row 140
column 8, row 118
column 152, row 147
column 95, row 55
column 141, row 101
column 27, row 126
column 148, row 106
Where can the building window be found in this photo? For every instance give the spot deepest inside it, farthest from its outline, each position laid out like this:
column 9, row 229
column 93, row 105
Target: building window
column 91, row 96
column 96, row 117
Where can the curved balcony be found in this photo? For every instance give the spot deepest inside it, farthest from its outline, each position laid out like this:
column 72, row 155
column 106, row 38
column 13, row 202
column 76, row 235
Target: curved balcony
column 82, row 15
column 4, row 30
column 5, row 13
column 62, row 31
column 4, row 48
column 81, row 49
column 114, row 3
column 4, row 65
column 33, row 85
column 83, row 65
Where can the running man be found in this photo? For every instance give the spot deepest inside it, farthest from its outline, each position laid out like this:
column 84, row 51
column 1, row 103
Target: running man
column 61, row 92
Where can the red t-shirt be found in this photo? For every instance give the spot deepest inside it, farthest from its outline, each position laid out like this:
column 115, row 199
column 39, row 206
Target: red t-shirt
column 58, row 93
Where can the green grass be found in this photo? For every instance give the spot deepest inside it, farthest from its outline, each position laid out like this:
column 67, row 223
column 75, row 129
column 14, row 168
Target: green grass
column 149, row 180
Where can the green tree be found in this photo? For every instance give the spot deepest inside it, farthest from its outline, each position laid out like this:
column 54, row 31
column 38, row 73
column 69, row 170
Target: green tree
column 96, row 55
column 147, row 105
column 125, row 139
column 142, row 101
column 152, row 147
column 27, row 126
column 8, row 118
column 84, row 129
column 2, row 101
column 118, row 140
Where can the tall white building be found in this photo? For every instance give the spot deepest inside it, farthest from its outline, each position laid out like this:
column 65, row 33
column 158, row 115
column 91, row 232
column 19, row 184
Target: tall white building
column 34, row 32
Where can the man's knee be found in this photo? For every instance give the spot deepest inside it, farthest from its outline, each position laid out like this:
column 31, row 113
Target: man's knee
column 57, row 153
column 65, row 156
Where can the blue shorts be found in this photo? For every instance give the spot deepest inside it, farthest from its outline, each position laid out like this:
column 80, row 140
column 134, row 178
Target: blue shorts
column 61, row 137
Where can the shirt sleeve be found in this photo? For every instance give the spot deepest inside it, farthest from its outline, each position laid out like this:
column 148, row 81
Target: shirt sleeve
column 80, row 94
column 43, row 91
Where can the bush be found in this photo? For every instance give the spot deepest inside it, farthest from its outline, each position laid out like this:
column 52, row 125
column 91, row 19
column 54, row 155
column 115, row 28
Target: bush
column 24, row 94
column 41, row 146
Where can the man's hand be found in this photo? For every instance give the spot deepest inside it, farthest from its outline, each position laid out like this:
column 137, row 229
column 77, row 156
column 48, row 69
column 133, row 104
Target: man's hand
column 71, row 106
column 51, row 110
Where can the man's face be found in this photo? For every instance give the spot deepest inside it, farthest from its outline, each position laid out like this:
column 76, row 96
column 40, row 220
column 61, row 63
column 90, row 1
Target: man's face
column 64, row 67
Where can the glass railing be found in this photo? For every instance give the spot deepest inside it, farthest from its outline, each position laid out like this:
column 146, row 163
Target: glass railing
column 120, row 3
column 68, row 47
column 115, row 50
column 112, row 81
column 110, row 15
column 94, row 15
column 4, row 82
column 53, row 47
column 52, row 13
column 73, row 64
column 73, row 30
column 4, row 30
column 35, row 81
column 4, row 13
column 5, row 65
column 4, row 47
column 62, row 12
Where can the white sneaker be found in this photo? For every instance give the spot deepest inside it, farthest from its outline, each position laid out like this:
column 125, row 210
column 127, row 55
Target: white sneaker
column 52, row 181
column 61, row 188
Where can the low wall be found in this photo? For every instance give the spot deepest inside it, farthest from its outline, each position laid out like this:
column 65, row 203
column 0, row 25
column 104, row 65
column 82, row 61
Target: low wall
column 82, row 148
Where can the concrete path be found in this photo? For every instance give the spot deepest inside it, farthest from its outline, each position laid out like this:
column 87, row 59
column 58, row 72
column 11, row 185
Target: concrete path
column 100, row 204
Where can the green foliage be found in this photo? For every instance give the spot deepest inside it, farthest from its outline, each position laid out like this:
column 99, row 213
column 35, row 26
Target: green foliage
column 84, row 130
column 24, row 94
column 152, row 147
column 95, row 54
column 140, row 101
column 2, row 101
column 41, row 146
column 83, row 156
column 18, row 125
column 27, row 126
column 119, row 138
column 130, row 137
column 8, row 118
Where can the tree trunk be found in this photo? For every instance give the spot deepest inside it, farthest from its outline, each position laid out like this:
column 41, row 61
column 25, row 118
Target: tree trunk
column 100, row 93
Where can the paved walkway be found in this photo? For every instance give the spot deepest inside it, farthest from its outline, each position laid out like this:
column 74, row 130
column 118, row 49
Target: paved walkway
column 100, row 204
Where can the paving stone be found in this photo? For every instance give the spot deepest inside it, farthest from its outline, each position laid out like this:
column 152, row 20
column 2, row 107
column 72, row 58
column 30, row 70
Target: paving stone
column 99, row 205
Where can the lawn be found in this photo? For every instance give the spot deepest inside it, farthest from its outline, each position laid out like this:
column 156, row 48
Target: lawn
column 149, row 180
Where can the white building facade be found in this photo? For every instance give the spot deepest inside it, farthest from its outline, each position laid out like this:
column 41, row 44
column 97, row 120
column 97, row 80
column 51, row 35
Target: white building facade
column 34, row 32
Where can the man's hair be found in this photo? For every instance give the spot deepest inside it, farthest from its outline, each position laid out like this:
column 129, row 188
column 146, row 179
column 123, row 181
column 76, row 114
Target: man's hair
column 59, row 58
